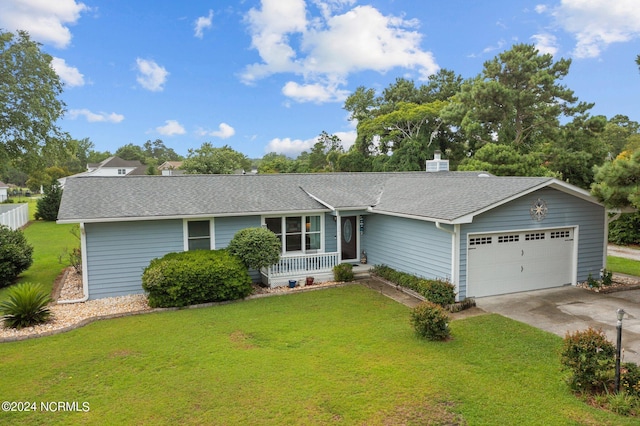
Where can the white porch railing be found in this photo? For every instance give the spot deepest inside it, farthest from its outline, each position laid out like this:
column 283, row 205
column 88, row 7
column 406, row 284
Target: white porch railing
column 297, row 266
column 14, row 215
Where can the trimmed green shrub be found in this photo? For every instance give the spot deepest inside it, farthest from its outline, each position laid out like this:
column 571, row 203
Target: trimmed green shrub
column 440, row 292
column 16, row 255
column 430, row 321
column 48, row 206
column 343, row 272
column 630, row 378
column 256, row 247
column 193, row 277
column 26, row 305
column 591, row 359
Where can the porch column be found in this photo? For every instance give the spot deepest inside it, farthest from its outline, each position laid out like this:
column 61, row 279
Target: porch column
column 339, row 236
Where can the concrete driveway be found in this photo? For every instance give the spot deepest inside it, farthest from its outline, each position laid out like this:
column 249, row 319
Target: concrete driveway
column 567, row 309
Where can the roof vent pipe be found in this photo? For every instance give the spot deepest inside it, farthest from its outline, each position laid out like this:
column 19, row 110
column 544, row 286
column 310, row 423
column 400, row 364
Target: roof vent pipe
column 437, row 164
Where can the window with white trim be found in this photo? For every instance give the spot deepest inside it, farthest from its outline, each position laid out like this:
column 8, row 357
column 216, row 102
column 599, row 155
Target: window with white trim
column 198, row 235
column 299, row 234
column 122, row 171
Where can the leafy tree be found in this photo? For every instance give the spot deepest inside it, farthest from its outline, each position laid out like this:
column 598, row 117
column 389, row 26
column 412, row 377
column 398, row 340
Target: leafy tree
column 276, row 163
column 516, row 100
column 618, row 132
column 504, row 160
column 354, row 161
column 131, row 152
column 97, row 156
column 158, row 151
column 16, row 255
column 29, row 104
column 325, row 153
column 49, row 204
column 580, row 146
column 256, row 247
column 210, row 160
column 617, row 183
column 11, row 174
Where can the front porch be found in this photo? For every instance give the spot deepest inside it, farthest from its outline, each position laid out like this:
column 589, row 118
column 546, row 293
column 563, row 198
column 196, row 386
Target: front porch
column 298, row 267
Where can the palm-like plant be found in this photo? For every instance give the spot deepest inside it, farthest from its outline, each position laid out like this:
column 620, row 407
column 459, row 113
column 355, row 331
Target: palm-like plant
column 26, row 305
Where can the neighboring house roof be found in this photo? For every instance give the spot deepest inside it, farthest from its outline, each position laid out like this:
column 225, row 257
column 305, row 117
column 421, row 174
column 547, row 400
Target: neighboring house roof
column 450, row 197
column 114, row 162
column 170, row 165
column 3, row 185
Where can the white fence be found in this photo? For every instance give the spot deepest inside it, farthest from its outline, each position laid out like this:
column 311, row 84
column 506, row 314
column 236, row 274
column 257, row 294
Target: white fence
column 14, row 215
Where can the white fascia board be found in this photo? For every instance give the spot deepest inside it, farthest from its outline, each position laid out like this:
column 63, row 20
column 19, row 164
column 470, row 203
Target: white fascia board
column 199, row 216
column 573, row 190
column 410, row 216
column 551, row 183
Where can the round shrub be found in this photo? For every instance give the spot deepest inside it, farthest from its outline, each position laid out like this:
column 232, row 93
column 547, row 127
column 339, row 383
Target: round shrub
column 590, row 357
column 343, row 272
column 193, row 277
column 430, row 321
column 256, row 247
column 26, row 305
column 16, row 255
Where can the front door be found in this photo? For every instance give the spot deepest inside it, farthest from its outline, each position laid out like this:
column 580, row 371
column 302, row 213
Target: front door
column 349, row 243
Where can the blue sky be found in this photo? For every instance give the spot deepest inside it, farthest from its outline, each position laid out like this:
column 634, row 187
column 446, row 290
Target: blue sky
column 270, row 76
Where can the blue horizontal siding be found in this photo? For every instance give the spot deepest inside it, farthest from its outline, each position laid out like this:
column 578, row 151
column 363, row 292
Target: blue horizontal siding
column 119, row 252
column 407, row 245
column 563, row 211
column 227, row 227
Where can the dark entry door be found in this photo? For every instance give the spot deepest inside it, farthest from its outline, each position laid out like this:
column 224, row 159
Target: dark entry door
column 349, row 242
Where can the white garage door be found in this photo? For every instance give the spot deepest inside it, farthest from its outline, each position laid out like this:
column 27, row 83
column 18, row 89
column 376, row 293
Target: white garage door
column 519, row 261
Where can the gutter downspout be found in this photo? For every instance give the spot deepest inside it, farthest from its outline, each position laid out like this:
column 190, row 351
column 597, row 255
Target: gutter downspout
column 455, row 249
column 85, row 274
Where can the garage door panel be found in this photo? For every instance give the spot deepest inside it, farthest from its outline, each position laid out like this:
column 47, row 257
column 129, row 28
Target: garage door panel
column 519, row 261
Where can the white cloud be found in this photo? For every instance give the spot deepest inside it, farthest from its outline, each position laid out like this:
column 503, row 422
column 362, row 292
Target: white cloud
column 202, row 23
column 289, row 147
column 93, row 117
column 326, row 49
column 68, row 74
column 294, row 147
column 46, row 21
column 545, row 43
column 171, row 128
column 314, row 92
column 224, row 131
column 151, row 76
column 597, row 23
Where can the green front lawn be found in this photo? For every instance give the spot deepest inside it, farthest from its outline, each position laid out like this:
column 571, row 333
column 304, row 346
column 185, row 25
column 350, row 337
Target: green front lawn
column 50, row 243
column 623, row 265
column 344, row 355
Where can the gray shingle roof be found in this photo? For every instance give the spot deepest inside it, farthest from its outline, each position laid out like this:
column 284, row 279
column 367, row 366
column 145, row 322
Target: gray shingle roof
column 442, row 196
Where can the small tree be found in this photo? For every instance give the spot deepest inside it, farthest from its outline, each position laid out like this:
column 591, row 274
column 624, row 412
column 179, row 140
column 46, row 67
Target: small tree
column 256, row 247
column 16, row 255
column 48, row 206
